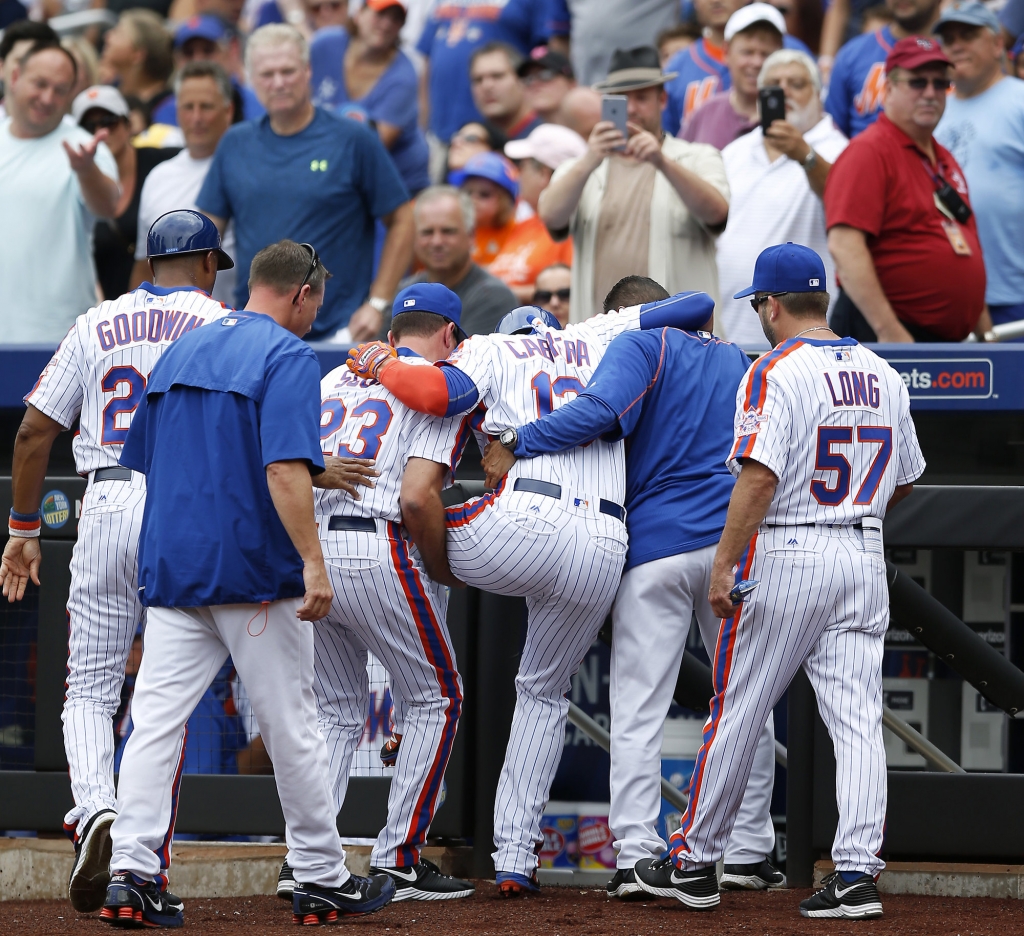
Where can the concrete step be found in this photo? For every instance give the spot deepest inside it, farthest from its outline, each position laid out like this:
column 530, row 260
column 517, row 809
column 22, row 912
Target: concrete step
column 575, row 877
column 38, row 869
column 935, row 879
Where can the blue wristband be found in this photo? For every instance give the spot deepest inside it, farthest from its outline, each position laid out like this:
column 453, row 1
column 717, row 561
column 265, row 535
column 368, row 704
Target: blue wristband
column 24, row 518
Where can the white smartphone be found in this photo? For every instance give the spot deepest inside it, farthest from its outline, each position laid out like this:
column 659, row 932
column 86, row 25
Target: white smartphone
column 613, row 109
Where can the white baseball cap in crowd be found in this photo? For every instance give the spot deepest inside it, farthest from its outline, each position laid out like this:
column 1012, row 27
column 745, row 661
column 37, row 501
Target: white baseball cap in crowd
column 550, row 144
column 746, row 16
column 104, row 97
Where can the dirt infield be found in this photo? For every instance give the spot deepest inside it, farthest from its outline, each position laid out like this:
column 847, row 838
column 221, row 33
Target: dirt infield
column 564, row 912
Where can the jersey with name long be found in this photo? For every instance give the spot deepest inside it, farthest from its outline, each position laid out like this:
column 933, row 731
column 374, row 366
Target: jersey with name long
column 521, row 378
column 101, row 368
column 832, row 421
column 361, row 419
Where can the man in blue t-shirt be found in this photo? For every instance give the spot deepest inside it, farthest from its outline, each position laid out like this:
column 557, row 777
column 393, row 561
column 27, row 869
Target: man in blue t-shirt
column 672, row 394
column 454, row 30
column 983, row 127
column 305, row 174
column 857, row 85
column 228, row 435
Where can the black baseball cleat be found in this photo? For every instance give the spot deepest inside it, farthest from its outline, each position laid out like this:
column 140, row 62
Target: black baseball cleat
column 134, row 904
column 624, row 884
column 389, row 750
column 312, row 905
column 857, row 900
column 760, row 876
column 285, row 881
column 90, row 874
column 424, row 881
column 698, row 889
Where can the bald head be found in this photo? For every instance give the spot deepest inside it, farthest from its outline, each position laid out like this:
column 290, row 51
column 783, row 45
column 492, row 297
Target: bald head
column 580, row 110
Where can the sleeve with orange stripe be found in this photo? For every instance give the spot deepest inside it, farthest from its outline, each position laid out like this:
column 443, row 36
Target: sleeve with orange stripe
column 764, row 420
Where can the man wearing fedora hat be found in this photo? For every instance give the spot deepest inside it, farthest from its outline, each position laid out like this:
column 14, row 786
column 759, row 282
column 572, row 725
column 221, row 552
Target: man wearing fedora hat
column 647, row 205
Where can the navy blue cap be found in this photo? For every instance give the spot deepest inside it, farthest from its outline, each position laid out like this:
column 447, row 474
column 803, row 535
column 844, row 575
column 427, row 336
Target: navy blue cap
column 429, row 297
column 183, row 232
column 787, row 268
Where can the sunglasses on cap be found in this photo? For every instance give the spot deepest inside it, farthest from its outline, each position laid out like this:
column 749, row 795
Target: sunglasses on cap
column 919, row 84
column 545, row 295
column 100, row 122
column 314, row 262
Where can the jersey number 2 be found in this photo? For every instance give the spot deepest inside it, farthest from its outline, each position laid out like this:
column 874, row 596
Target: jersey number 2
column 828, row 459
column 127, row 385
column 332, row 415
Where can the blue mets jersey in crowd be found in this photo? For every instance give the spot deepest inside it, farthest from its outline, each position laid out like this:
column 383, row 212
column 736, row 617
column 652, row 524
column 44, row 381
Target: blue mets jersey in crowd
column 673, row 394
column 857, row 86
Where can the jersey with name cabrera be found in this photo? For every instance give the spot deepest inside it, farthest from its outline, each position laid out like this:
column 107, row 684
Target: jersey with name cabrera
column 832, row 421
column 100, row 370
column 222, row 404
column 362, row 419
column 520, row 378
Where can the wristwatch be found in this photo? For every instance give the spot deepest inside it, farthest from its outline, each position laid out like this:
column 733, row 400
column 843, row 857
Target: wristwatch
column 809, row 161
column 379, row 303
column 509, row 438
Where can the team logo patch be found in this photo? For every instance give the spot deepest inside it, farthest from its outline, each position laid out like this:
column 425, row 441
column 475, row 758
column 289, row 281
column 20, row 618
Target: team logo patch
column 750, row 422
column 580, row 502
column 814, row 282
column 56, row 509
column 229, row 321
column 843, row 355
column 408, row 302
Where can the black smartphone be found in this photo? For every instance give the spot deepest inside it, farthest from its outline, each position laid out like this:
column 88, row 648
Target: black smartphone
column 950, row 197
column 773, row 105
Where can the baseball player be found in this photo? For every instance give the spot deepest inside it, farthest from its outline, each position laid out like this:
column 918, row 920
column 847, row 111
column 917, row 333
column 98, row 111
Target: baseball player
column 98, row 375
column 672, row 393
column 824, row 444
column 384, row 602
column 553, row 532
column 234, row 569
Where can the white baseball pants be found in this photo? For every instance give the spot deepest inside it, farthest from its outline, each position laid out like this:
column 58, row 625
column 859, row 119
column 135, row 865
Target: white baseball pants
column 103, row 613
column 273, row 653
column 822, row 604
column 384, row 604
column 652, row 619
column 565, row 557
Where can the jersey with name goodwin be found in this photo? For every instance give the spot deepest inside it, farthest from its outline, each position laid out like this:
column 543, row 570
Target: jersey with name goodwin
column 361, row 419
column 832, row 420
column 100, row 370
column 524, row 377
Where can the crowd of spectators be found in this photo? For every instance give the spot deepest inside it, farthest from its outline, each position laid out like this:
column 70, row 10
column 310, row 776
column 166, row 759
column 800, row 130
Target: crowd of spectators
column 464, row 143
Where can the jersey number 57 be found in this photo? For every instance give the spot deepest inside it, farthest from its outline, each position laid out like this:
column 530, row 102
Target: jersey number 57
column 830, row 458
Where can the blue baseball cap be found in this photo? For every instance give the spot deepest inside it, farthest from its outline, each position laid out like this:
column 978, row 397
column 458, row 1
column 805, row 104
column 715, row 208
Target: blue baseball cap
column 430, row 297
column 1018, row 47
column 786, row 268
column 969, row 12
column 212, row 28
column 493, row 167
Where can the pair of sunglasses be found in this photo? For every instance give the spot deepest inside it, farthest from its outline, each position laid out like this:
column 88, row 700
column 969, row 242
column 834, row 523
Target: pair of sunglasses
column 545, row 295
column 314, row 262
column 106, row 122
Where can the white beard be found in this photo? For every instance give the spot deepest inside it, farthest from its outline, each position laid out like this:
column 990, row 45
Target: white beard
column 804, row 118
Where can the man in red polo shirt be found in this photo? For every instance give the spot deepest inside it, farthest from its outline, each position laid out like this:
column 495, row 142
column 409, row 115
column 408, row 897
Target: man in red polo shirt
column 900, row 227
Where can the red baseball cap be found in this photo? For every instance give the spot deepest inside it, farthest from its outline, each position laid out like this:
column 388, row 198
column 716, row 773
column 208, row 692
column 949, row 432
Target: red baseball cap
column 379, row 5
column 913, row 52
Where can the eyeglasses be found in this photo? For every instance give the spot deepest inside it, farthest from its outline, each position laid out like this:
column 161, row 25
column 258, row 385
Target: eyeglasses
column 755, row 303
column 919, row 84
column 469, row 138
column 314, row 262
column 106, row 122
column 541, row 74
column 545, row 295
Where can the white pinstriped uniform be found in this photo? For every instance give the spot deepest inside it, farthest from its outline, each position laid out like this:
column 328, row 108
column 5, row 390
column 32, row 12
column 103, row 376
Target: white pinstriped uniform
column 385, row 604
column 832, row 421
column 99, row 373
column 564, row 555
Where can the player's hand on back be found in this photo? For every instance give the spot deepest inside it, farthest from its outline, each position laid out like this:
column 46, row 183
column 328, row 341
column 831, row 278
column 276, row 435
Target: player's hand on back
column 497, row 461
column 346, row 474
column 317, row 600
column 366, row 360
column 20, row 563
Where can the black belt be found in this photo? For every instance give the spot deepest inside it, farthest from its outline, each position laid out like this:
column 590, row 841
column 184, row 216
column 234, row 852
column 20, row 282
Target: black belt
column 352, row 524
column 112, row 474
column 532, row 486
column 853, row 526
